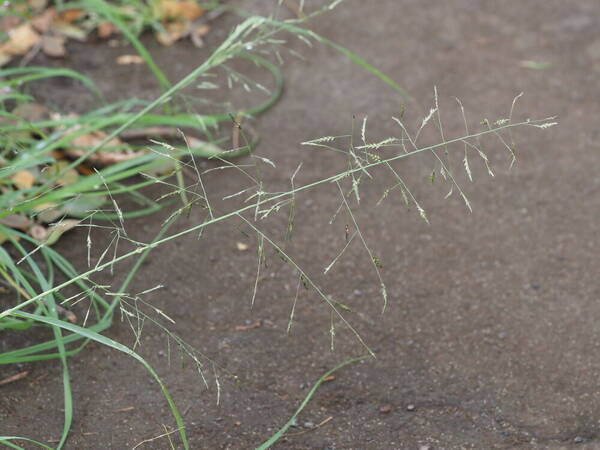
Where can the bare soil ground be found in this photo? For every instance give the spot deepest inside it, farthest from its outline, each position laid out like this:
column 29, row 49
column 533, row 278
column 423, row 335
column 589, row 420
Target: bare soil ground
column 490, row 335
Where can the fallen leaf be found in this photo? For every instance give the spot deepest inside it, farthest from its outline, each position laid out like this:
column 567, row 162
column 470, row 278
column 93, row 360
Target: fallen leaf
column 241, row 246
column 139, row 133
column 202, row 30
column 37, row 4
column 71, row 317
column 198, row 33
column 253, row 325
column 83, row 169
column 71, row 15
column 43, row 21
column 18, row 221
column 124, row 60
column 54, row 46
column 106, row 29
column 23, row 179
column 329, row 378
column 95, row 138
column 172, row 32
column 56, row 231
column 20, row 40
column 9, row 22
column 173, row 10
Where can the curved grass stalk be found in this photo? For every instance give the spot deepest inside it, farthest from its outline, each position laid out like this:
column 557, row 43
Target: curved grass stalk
column 91, row 335
column 273, row 439
column 6, row 440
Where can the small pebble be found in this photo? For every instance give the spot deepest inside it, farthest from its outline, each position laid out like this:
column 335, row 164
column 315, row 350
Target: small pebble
column 308, row 425
column 410, row 408
column 424, row 447
column 578, row 439
column 385, row 409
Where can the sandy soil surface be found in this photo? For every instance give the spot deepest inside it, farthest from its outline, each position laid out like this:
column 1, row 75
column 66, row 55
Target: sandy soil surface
column 489, row 337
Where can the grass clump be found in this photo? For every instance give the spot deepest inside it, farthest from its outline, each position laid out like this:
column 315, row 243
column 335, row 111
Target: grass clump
column 52, row 176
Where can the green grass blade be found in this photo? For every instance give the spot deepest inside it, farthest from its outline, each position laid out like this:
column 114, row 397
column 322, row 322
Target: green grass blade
column 310, row 394
column 109, row 13
column 6, row 441
column 28, row 74
column 87, row 333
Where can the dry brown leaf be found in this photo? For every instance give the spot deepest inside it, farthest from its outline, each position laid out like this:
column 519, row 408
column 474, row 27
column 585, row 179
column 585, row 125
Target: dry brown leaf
column 172, row 32
column 43, row 21
column 54, row 46
column 95, row 138
column 138, row 133
column 18, row 221
column 329, row 378
column 202, row 30
column 37, row 5
column 106, row 29
column 124, row 60
column 23, row 179
column 71, row 15
column 174, row 10
column 198, row 33
column 20, row 40
column 9, row 22
column 102, row 157
column 165, row 38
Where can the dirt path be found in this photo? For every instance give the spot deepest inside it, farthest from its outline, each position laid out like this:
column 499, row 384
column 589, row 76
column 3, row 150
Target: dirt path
column 489, row 339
